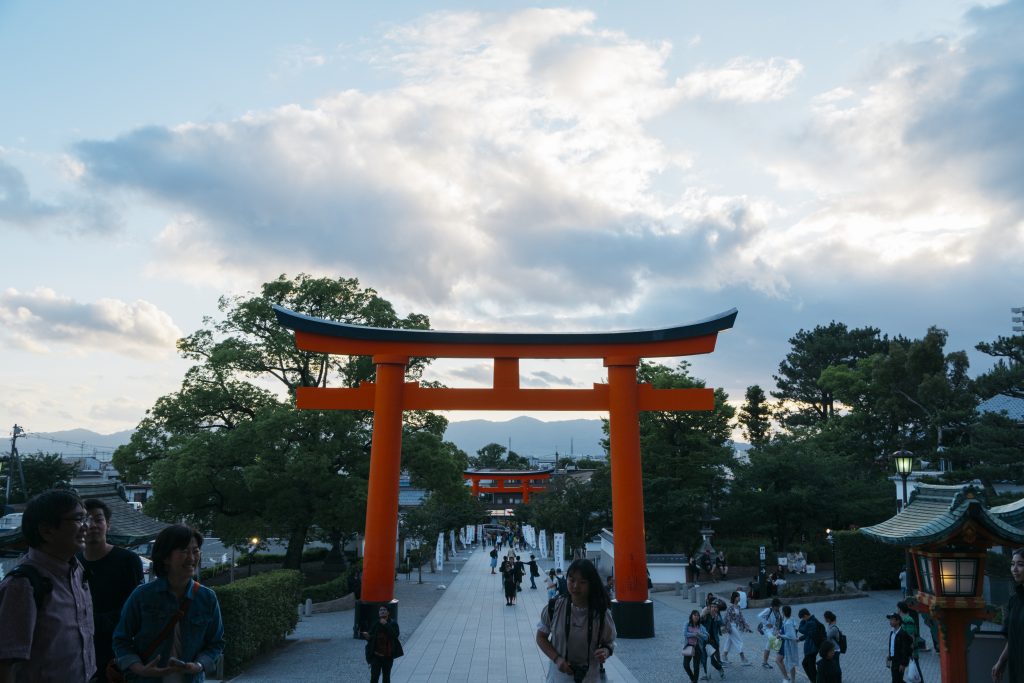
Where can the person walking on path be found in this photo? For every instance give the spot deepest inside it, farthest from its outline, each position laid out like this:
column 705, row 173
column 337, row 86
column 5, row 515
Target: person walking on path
column 518, row 571
column 382, row 645
column 812, row 633
column 769, row 624
column 1011, row 661
column 694, row 569
column 735, row 627
column 171, row 628
column 46, row 622
column 911, row 625
column 113, row 575
column 508, row 582
column 828, row 666
column 787, row 657
column 694, row 638
column 534, row 571
column 494, row 559
column 552, row 584
column 901, row 645
column 833, row 633
column 577, row 633
column 713, row 621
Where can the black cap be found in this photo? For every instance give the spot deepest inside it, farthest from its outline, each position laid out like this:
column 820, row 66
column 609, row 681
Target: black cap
column 894, row 615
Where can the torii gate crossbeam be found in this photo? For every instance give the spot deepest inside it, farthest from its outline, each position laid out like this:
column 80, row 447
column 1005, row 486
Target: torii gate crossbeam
column 622, row 397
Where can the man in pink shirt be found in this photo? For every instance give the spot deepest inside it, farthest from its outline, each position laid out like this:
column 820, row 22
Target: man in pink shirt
column 46, row 621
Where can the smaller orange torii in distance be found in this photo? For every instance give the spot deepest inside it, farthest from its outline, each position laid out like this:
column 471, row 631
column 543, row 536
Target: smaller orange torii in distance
column 622, row 397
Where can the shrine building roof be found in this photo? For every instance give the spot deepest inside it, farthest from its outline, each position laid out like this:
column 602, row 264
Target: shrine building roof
column 936, row 513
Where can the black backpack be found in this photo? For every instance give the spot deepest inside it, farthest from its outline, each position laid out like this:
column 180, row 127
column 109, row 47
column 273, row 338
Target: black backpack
column 842, row 642
column 41, row 585
column 562, row 586
column 819, row 634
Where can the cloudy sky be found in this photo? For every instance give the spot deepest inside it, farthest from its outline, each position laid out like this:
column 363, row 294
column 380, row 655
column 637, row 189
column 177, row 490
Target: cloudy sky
column 598, row 166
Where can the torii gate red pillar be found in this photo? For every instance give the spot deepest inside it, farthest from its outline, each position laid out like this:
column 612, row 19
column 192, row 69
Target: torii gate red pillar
column 622, row 397
column 382, row 493
column 627, row 493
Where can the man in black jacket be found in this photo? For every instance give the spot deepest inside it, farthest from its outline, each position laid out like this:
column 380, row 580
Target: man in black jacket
column 901, row 645
column 812, row 633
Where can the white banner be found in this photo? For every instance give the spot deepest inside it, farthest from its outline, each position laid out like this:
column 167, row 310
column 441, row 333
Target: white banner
column 480, row 533
column 559, row 551
column 531, row 536
column 543, row 543
column 462, row 536
column 451, row 536
column 439, row 551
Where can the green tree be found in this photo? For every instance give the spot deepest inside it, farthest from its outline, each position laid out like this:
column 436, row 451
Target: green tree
column 686, row 459
column 494, row 456
column 804, row 482
column 576, row 506
column 42, row 471
column 994, row 452
column 229, row 452
column 1007, row 375
column 914, row 395
column 804, row 400
column 755, row 417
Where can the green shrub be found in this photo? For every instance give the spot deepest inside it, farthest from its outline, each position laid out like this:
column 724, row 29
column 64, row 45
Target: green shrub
column 332, row 590
column 258, row 613
column 862, row 558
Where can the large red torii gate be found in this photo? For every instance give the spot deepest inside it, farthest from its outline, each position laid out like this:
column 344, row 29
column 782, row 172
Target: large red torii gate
column 623, row 397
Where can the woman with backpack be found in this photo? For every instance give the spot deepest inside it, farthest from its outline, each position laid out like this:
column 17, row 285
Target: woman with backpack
column 577, row 632
column 833, row 634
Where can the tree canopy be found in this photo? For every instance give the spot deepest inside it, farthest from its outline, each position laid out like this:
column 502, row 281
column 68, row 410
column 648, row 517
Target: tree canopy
column 229, row 452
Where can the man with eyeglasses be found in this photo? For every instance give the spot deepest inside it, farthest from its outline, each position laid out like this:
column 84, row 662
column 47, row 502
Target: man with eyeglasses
column 113, row 574
column 46, row 622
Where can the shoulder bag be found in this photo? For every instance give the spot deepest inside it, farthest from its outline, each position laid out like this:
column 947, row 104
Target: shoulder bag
column 114, row 673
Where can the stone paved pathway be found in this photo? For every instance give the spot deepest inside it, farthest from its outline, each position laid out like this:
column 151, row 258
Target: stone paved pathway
column 466, row 633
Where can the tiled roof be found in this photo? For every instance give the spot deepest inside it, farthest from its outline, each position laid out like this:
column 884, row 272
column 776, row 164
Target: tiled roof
column 1013, row 407
column 128, row 526
column 936, row 512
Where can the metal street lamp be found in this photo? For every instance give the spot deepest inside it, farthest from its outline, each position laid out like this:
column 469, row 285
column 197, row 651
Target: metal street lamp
column 904, row 466
column 254, row 542
column 835, row 570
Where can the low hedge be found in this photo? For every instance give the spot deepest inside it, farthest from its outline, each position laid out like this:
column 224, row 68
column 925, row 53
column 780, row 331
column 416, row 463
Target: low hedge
column 331, row 590
column 258, row 613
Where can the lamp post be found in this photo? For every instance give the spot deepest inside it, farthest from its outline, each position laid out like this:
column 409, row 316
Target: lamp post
column 835, row 570
column 254, row 543
column 904, row 466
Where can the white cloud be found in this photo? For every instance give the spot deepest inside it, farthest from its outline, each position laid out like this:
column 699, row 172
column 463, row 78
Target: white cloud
column 743, row 80
column 512, row 169
column 37, row 319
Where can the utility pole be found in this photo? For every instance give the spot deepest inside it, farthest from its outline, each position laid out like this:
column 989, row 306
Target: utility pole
column 12, row 460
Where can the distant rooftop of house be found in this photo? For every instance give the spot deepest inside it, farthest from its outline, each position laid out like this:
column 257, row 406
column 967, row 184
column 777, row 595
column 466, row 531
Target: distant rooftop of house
column 1001, row 403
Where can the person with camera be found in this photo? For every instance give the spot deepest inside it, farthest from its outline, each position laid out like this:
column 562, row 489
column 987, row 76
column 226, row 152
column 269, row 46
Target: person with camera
column 382, row 645
column 577, row 632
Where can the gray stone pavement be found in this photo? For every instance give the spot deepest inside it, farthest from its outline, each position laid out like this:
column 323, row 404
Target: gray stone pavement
column 466, row 633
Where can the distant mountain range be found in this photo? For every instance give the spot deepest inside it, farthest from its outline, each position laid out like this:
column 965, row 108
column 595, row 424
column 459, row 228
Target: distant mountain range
column 70, row 442
column 528, row 437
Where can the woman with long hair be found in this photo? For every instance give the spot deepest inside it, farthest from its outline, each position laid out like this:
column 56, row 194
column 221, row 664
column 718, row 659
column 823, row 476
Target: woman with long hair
column 1011, row 661
column 508, row 581
column 694, row 638
column 577, row 632
column 735, row 627
column 788, row 658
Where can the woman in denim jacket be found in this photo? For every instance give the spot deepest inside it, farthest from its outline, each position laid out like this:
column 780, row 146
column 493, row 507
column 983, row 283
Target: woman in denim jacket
column 197, row 640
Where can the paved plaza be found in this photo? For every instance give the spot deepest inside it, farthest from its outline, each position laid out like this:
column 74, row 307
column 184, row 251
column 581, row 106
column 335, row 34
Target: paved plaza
column 466, row 633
